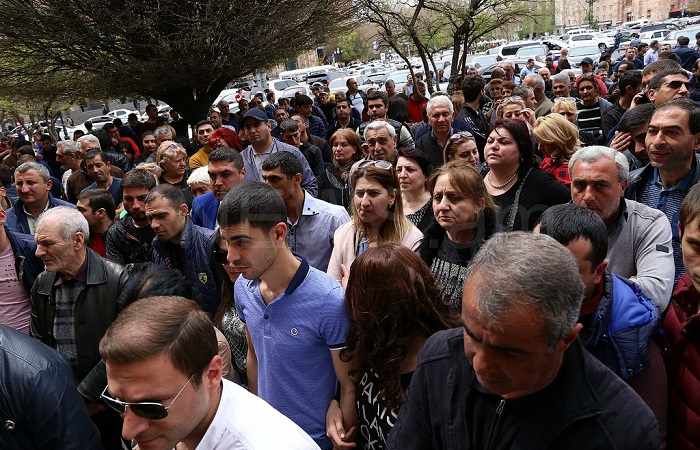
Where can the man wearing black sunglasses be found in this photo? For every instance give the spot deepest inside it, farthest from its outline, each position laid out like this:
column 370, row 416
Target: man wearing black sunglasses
column 165, row 378
column 668, row 85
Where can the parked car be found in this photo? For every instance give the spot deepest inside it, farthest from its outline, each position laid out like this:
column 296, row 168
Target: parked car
column 121, row 114
column 485, row 72
column 538, row 52
column 577, row 53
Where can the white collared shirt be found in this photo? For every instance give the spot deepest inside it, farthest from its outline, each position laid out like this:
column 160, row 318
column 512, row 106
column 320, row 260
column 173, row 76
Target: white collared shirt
column 244, row 421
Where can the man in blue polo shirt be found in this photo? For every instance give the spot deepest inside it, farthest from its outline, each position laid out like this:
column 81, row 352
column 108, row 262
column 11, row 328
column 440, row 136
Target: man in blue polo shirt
column 296, row 321
column 311, row 223
column 671, row 140
column 225, row 171
column 97, row 165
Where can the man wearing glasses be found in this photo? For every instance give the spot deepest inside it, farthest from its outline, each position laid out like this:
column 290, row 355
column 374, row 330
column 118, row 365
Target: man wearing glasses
column 165, row 378
column 668, row 85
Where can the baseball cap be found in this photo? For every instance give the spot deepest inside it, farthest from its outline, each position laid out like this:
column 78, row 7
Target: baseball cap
column 254, row 114
column 587, row 61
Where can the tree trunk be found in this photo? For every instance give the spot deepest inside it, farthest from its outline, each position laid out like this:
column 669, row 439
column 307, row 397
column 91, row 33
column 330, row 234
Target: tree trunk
column 454, row 67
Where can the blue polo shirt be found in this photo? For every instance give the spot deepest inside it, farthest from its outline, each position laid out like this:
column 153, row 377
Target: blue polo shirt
column 669, row 201
column 293, row 338
column 115, row 190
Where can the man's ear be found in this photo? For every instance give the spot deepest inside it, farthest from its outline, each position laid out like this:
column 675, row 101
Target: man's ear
column 183, row 209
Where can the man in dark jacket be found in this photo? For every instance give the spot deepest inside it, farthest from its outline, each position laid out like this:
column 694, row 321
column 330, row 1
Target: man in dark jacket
column 343, row 119
column 516, row 372
column 687, row 55
column 21, row 267
column 75, row 300
column 40, row 406
column 471, row 118
column 129, row 240
column 180, row 244
column 33, row 184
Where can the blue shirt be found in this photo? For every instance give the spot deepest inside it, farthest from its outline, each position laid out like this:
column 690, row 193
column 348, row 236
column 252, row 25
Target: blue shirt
column 293, row 337
column 252, row 162
column 115, row 189
column 669, row 201
column 204, row 210
column 312, row 235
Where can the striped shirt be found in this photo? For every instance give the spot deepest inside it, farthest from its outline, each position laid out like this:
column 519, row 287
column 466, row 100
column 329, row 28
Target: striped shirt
column 67, row 293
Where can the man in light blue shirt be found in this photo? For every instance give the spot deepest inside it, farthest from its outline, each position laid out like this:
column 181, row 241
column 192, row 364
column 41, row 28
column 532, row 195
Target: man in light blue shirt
column 311, row 222
column 529, row 69
column 295, row 316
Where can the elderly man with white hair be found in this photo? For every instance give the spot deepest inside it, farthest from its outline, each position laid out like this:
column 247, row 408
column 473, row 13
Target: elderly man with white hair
column 76, row 298
column 440, row 116
column 537, row 84
column 33, row 184
column 380, row 138
column 639, row 236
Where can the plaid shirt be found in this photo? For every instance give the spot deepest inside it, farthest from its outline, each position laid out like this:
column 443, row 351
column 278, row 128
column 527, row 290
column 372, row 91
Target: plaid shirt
column 67, row 293
column 556, row 168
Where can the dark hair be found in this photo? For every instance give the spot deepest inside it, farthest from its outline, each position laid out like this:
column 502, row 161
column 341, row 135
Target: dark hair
column 169, row 192
column 660, row 65
column 636, row 117
column 568, row 222
column 378, row 95
column 97, row 198
column 683, row 40
column 419, row 158
column 257, row 203
column 287, row 162
column 341, row 98
column 471, row 88
column 521, row 135
column 118, row 122
column 628, row 64
column 227, row 154
column 302, row 100
column 202, row 122
column 289, row 126
column 151, row 106
column 690, row 208
column 92, row 154
column 688, row 106
column 391, row 298
column 269, row 96
column 152, row 280
column 155, row 325
column 139, row 178
column 26, row 149
column 631, row 78
column 658, row 79
column 109, row 126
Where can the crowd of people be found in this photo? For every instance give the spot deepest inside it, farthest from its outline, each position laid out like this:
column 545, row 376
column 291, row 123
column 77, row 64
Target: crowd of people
column 516, row 264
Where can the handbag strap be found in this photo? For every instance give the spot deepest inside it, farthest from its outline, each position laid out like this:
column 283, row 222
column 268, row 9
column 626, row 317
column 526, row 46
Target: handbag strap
column 514, row 209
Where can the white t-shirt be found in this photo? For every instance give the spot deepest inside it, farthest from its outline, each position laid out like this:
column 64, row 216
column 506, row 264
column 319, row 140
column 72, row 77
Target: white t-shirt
column 244, row 421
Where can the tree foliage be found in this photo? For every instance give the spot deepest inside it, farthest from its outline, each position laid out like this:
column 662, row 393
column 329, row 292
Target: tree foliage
column 181, row 51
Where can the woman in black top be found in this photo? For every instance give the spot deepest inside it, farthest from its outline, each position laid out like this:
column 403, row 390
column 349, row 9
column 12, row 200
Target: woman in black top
column 413, row 170
column 519, row 188
column 334, row 182
column 394, row 306
column 465, row 217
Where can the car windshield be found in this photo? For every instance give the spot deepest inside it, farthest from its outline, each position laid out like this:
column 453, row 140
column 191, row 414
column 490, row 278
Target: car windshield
column 582, row 37
column 689, row 32
column 580, row 51
column 399, row 77
column 283, row 84
column 338, row 83
column 531, row 51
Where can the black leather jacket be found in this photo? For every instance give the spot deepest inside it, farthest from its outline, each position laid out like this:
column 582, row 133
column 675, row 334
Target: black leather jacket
column 95, row 309
column 40, row 409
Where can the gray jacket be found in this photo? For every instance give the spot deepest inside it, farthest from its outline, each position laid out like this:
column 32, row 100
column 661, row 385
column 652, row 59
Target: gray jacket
column 639, row 248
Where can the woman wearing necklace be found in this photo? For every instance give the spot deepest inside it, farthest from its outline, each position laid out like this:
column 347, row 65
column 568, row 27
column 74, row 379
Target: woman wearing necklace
column 413, row 170
column 519, row 188
column 334, row 182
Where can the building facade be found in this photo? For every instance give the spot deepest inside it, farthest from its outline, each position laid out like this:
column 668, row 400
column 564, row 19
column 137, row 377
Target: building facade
column 569, row 14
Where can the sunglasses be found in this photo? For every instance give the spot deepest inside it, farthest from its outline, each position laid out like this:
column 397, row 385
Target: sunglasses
column 147, row 410
column 676, row 84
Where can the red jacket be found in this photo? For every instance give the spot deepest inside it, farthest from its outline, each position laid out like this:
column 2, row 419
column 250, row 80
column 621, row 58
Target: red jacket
column 682, row 327
column 416, row 109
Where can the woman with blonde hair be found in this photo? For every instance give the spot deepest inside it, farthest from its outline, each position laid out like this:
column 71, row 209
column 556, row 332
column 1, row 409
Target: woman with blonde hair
column 558, row 140
column 377, row 216
column 566, row 106
column 171, row 157
column 465, row 217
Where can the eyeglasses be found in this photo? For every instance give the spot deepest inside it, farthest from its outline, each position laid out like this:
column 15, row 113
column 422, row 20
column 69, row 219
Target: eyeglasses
column 676, row 84
column 147, row 410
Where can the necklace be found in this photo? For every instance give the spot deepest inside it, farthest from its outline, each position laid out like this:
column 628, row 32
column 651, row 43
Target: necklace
column 501, row 186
